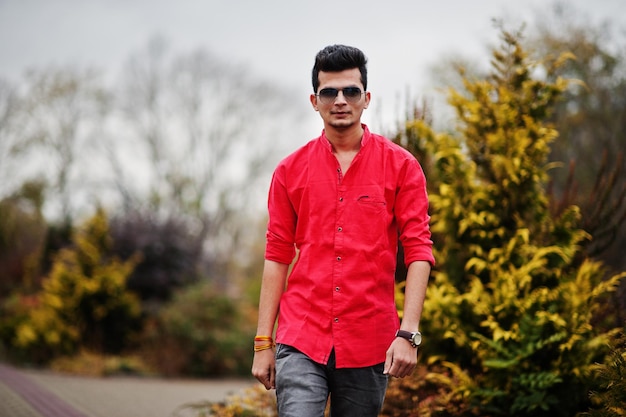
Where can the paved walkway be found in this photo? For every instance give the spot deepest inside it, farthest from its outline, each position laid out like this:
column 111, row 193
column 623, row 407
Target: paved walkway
column 29, row 393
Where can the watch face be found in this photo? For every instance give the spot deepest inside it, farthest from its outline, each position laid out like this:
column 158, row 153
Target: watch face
column 417, row 339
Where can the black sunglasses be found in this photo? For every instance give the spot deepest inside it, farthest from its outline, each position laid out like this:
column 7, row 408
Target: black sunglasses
column 328, row 95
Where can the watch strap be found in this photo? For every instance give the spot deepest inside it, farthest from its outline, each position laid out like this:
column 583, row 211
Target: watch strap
column 406, row 335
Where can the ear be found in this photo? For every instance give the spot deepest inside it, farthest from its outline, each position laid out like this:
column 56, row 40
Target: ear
column 368, row 97
column 313, row 99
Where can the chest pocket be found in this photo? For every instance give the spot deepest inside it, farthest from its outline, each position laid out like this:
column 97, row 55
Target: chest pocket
column 371, row 201
column 369, row 217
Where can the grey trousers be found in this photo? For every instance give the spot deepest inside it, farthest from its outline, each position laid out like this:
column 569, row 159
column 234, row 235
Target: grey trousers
column 304, row 386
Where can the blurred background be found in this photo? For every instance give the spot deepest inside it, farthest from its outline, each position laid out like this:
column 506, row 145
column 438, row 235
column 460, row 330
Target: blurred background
column 137, row 141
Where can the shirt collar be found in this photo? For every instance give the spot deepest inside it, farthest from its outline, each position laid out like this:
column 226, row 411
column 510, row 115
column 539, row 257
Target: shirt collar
column 364, row 140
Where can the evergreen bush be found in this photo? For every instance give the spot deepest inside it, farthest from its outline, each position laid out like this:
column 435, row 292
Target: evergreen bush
column 511, row 300
column 83, row 302
column 201, row 332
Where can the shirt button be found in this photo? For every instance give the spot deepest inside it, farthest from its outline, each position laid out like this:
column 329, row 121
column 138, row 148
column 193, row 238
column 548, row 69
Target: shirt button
column 338, row 258
column 336, row 320
column 336, row 288
column 340, row 198
column 339, row 229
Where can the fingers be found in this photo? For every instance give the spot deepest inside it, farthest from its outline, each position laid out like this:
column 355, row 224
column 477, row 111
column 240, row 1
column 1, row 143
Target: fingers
column 265, row 378
column 403, row 370
column 263, row 368
column 400, row 361
column 272, row 378
column 388, row 362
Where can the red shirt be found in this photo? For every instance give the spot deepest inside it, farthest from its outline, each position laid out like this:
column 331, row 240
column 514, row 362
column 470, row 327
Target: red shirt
column 340, row 292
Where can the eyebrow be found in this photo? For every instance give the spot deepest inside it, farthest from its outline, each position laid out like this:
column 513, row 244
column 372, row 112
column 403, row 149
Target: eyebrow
column 341, row 88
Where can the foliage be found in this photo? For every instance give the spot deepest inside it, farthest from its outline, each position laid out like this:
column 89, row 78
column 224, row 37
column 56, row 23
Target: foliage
column 83, row 303
column 165, row 137
column 592, row 139
column 95, row 364
column 512, row 300
column 59, row 113
column 588, row 168
column 171, row 253
column 14, row 310
column 590, row 117
column 22, row 235
column 432, row 391
column 256, row 402
column 202, row 333
column 182, row 133
column 609, row 398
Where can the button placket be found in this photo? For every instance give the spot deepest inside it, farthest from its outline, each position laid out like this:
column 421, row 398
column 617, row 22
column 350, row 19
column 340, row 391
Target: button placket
column 338, row 251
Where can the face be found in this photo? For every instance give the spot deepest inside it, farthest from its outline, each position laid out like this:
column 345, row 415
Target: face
column 341, row 113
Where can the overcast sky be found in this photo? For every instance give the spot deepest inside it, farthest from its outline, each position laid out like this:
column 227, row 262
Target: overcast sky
column 276, row 38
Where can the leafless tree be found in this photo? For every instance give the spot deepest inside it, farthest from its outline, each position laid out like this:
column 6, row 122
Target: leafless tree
column 183, row 136
column 59, row 116
column 8, row 108
column 200, row 136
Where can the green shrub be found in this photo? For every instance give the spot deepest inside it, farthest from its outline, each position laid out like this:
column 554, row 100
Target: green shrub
column 201, row 332
column 512, row 300
column 83, row 303
column 171, row 252
column 22, row 237
column 609, row 396
column 96, row 364
column 255, row 402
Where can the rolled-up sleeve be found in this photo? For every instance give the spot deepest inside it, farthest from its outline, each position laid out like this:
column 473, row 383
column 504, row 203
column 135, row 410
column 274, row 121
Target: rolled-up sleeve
column 280, row 245
column 412, row 214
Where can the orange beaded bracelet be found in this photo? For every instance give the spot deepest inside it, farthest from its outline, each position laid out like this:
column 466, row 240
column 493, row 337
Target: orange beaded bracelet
column 258, row 348
column 265, row 346
column 263, row 339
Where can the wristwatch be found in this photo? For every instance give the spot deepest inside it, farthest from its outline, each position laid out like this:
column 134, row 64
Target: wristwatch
column 414, row 337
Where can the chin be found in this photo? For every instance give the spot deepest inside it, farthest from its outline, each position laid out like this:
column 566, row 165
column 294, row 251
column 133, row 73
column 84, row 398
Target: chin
column 339, row 124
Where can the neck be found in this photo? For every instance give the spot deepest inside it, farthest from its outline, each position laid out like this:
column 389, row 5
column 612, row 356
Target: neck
column 345, row 140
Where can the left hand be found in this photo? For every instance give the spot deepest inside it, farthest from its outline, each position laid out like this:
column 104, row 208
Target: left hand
column 401, row 358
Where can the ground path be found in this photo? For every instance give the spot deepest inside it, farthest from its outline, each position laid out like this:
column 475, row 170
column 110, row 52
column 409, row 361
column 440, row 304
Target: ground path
column 34, row 393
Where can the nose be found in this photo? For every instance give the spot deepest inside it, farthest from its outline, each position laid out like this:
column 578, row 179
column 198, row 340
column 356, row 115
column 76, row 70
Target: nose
column 340, row 97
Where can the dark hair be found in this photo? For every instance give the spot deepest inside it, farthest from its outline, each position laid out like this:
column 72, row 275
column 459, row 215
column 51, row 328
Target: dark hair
column 336, row 58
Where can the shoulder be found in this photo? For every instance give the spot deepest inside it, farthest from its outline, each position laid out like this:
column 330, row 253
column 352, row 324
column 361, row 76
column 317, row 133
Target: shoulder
column 296, row 164
column 391, row 149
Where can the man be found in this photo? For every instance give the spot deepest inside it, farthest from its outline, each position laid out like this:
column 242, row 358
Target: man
column 342, row 201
